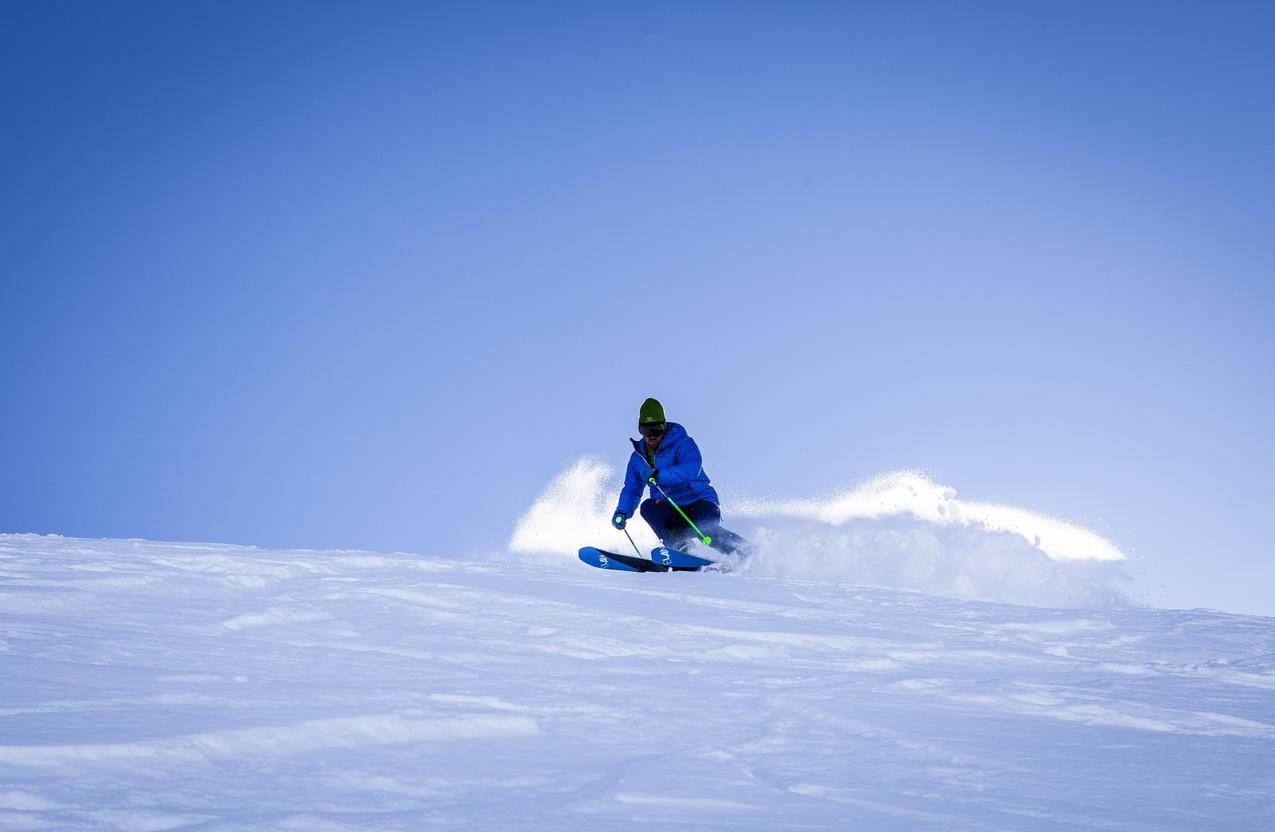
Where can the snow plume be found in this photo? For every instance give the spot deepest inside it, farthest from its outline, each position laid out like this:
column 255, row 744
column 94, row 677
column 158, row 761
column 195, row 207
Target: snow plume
column 908, row 493
column 575, row 511
column 900, row 530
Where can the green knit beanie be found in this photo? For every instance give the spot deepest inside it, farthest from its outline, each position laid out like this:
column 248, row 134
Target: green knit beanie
column 652, row 412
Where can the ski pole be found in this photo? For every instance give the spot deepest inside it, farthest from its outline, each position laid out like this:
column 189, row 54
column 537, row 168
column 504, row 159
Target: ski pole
column 707, row 540
column 630, row 537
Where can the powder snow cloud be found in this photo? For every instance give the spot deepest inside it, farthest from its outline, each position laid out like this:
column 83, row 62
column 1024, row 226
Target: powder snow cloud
column 899, row 529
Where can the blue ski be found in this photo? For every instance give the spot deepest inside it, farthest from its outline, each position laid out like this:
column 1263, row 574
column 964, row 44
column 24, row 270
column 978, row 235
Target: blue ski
column 628, row 563
column 676, row 557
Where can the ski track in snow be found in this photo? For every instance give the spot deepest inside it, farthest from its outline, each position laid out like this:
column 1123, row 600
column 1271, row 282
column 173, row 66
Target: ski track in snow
column 160, row 686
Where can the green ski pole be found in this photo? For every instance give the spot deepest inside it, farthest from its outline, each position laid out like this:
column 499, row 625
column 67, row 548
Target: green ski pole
column 705, row 538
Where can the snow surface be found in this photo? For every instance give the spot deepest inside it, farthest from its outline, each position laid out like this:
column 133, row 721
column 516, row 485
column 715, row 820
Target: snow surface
column 161, row 686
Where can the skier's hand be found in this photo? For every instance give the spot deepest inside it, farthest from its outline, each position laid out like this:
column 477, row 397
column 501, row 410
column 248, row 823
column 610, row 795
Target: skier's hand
column 655, row 476
column 619, row 519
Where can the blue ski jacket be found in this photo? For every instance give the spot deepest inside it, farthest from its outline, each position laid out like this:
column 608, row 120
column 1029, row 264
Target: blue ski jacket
column 681, row 472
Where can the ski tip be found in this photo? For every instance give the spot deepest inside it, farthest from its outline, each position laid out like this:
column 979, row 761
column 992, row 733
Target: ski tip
column 607, row 560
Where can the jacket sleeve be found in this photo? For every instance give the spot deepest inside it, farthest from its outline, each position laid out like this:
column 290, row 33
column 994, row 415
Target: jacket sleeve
column 631, row 494
column 690, row 465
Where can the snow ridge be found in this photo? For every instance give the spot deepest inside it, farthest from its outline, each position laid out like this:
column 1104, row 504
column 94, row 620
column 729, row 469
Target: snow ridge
column 312, row 735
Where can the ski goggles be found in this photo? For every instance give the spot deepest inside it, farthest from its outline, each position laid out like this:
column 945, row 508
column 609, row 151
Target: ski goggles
column 654, row 429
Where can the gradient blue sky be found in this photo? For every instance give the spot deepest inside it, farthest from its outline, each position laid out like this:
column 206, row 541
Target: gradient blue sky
column 367, row 275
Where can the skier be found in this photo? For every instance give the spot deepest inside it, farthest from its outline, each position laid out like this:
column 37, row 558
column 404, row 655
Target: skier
column 669, row 460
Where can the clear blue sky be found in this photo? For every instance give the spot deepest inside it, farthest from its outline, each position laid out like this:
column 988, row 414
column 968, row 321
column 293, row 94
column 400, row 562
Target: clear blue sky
column 368, row 274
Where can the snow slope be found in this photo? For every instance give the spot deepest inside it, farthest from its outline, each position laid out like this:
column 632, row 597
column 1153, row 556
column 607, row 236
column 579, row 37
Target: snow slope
column 159, row 686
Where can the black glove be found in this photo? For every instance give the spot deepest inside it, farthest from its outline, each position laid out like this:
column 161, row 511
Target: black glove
column 619, row 519
column 655, row 476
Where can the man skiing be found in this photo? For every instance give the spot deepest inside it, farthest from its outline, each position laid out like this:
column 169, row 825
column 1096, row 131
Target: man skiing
column 668, row 459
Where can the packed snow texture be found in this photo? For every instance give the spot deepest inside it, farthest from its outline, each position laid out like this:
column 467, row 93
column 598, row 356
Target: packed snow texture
column 898, row 530
column 160, row 686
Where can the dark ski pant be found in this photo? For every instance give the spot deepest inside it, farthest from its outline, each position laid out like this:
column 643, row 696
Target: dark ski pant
column 671, row 528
